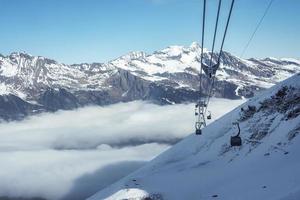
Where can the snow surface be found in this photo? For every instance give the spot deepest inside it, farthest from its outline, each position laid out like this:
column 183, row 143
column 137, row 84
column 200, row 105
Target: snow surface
column 206, row 167
column 3, row 89
column 291, row 60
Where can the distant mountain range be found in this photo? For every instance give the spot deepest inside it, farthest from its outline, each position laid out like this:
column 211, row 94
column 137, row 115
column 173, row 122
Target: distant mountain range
column 33, row 84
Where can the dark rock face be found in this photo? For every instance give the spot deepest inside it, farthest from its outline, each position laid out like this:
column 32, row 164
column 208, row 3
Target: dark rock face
column 13, row 107
column 167, row 95
column 127, row 87
column 99, row 98
column 60, row 99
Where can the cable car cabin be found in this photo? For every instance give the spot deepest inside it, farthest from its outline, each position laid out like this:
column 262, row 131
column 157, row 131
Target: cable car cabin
column 198, row 131
column 198, row 128
column 209, row 115
column 236, row 140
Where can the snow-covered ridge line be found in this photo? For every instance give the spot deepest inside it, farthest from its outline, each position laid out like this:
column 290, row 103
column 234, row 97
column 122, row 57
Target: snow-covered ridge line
column 173, row 50
column 168, row 75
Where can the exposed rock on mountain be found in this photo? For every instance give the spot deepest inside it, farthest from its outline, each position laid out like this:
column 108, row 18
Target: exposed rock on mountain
column 164, row 77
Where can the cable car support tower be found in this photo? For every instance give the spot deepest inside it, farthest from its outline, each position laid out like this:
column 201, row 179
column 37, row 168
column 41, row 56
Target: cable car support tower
column 209, row 71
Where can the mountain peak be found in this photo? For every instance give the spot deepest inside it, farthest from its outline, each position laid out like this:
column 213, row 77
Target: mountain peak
column 195, row 46
column 134, row 55
column 174, row 50
column 21, row 54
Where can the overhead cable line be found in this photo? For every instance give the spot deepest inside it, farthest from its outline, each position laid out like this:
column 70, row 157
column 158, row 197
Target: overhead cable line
column 220, row 53
column 215, row 33
column 200, row 104
column 226, row 28
column 202, row 43
column 256, row 28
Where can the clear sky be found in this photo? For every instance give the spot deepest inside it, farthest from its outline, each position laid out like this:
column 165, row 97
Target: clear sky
column 73, row 31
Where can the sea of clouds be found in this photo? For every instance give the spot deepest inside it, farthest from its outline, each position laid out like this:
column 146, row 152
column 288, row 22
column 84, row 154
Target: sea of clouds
column 70, row 155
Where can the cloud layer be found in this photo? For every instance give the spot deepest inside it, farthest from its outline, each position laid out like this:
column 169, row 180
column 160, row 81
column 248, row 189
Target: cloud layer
column 51, row 154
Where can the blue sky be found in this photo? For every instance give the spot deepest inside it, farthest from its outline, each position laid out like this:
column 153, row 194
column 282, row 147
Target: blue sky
column 74, row 31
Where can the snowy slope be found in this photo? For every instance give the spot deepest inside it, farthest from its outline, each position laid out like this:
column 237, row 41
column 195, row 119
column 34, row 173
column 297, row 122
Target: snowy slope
column 206, row 167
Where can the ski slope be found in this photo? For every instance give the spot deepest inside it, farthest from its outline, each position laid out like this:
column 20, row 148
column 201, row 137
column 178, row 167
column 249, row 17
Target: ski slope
column 266, row 166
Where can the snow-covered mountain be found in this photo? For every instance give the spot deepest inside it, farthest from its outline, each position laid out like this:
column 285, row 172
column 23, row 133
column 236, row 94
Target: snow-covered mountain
column 166, row 76
column 266, row 166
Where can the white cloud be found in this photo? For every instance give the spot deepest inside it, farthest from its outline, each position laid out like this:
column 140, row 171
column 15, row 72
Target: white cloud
column 47, row 155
